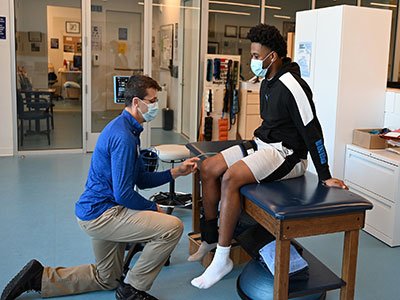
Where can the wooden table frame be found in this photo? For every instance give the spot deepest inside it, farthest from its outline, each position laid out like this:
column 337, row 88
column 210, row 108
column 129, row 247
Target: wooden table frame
column 285, row 230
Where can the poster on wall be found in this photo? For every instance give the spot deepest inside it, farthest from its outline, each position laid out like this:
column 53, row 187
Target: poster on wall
column 166, row 45
column 3, row 30
column 96, row 38
column 123, row 34
column 304, row 52
column 175, row 46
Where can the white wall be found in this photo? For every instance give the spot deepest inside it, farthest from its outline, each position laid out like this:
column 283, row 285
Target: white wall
column 6, row 81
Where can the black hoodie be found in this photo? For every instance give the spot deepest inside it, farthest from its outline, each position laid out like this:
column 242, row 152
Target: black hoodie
column 288, row 114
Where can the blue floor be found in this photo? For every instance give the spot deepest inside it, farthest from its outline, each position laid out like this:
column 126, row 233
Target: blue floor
column 37, row 221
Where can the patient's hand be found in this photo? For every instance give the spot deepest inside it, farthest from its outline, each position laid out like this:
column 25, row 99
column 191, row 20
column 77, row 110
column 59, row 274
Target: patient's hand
column 334, row 182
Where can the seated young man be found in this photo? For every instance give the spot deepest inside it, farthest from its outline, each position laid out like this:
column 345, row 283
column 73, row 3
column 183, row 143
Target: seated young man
column 290, row 129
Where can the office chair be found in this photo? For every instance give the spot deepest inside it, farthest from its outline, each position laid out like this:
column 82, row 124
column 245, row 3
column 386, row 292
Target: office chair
column 172, row 153
column 35, row 112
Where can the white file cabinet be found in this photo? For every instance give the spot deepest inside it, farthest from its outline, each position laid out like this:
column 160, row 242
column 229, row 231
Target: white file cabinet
column 374, row 174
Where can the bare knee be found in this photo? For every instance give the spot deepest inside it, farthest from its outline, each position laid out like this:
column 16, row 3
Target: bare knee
column 230, row 180
column 212, row 168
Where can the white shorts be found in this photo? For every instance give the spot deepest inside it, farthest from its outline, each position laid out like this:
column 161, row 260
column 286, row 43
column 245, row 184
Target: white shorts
column 269, row 162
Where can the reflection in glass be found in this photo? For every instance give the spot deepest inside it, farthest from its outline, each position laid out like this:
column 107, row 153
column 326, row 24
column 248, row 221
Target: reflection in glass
column 327, row 3
column 175, row 56
column 116, row 46
column 282, row 15
column 393, row 70
column 49, row 78
column 228, row 24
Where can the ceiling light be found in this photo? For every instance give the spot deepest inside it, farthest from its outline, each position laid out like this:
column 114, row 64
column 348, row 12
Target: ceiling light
column 273, row 7
column 235, row 3
column 229, row 12
column 282, row 17
column 243, row 4
column 384, row 4
column 168, row 5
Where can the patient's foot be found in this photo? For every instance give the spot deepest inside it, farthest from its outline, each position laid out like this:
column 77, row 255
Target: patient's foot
column 219, row 267
column 202, row 251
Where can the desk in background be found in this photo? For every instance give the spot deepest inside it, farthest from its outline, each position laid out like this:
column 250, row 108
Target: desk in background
column 74, row 76
column 297, row 208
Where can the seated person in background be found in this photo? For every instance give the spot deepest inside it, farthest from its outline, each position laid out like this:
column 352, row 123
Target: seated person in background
column 51, row 75
column 23, row 81
column 290, row 129
column 112, row 213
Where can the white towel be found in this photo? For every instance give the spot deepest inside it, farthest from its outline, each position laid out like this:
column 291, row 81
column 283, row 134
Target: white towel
column 296, row 263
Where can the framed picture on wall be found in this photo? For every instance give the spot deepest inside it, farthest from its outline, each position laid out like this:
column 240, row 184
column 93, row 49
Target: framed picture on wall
column 243, row 31
column 72, row 27
column 35, row 36
column 54, row 44
column 230, row 31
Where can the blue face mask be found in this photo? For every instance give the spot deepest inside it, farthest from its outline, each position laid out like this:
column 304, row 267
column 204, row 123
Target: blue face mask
column 257, row 66
column 152, row 111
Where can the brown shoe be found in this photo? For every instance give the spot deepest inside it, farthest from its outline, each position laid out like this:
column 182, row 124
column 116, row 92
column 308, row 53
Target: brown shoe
column 28, row 279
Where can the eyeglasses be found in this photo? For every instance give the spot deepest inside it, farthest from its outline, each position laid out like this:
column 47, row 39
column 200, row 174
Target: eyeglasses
column 153, row 100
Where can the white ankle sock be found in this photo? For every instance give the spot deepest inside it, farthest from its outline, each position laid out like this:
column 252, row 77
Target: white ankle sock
column 202, row 251
column 219, row 267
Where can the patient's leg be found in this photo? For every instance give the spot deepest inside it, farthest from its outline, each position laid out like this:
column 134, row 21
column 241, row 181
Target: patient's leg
column 235, row 177
column 211, row 171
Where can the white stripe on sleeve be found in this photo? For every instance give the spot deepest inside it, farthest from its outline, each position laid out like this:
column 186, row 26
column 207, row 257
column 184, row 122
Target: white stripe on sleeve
column 300, row 96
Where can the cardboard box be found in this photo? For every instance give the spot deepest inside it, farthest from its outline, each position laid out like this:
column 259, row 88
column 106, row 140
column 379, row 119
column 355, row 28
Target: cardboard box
column 363, row 138
column 238, row 255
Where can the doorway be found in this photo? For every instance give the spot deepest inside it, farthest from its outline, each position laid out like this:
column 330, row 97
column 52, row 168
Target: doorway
column 116, row 34
column 48, row 64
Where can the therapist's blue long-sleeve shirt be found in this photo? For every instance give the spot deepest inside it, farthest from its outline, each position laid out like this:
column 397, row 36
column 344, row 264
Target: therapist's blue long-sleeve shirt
column 115, row 169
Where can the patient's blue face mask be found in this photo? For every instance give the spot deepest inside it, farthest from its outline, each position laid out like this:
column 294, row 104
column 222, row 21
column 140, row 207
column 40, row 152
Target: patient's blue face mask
column 256, row 66
column 152, row 111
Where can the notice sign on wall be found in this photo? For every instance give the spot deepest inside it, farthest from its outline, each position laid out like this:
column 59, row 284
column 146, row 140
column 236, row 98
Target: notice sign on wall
column 304, row 58
column 3, row 29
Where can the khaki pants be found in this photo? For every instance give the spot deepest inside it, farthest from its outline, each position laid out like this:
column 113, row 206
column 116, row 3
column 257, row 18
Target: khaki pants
column 110, row 232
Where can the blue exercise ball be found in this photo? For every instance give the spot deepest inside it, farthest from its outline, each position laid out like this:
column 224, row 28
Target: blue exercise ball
column 257, row 283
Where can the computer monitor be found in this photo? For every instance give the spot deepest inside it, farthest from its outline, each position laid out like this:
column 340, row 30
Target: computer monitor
column 77, row 61
column 119, row 88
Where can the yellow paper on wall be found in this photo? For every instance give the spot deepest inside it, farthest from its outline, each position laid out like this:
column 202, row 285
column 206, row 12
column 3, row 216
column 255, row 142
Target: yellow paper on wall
column 122, row 47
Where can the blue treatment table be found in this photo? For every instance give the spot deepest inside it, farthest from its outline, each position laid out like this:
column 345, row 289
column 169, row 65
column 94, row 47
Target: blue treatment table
column 296, row 208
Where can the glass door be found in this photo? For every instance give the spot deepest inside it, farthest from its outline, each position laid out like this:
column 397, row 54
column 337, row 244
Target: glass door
column 49, row 74
column 175, row 65
column 190, row 68
column 116, row 52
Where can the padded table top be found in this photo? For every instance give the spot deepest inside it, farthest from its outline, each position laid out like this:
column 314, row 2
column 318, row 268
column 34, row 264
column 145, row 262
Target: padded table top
column 303, row 197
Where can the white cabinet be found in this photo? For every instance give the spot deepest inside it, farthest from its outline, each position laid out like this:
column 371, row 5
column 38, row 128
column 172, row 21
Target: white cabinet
column 249, row 113
column 375, row 175
column 343, row 53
